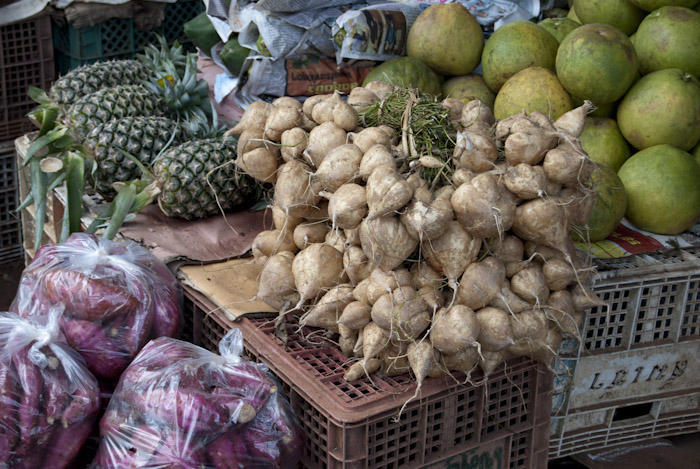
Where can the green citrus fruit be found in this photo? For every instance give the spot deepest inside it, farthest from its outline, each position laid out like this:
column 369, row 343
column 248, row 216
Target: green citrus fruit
column 532, row 89
column 596, row 62
column 448, row 38
column 604, row 143
column 621, row 14
column 409, row 72
column 651, row 5
column 662, row 107
column 573, row 16
column 559, row 27
column 514, row 47
column 663, row 189
column 609, row 206
column 468, row 87
column 669, row 38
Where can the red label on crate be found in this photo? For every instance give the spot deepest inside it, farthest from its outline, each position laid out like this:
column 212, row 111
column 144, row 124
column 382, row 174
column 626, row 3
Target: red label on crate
column 308, row 76
column 634, row 242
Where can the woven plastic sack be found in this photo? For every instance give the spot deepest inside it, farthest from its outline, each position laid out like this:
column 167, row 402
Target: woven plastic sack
column 179, row 405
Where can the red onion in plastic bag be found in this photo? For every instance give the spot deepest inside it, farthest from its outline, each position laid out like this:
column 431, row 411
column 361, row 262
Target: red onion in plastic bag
column 117, row 296
column 179, row 405
column 49, row 401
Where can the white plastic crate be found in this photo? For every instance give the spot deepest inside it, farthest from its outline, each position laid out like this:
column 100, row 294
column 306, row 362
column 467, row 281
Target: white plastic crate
column 636, row 374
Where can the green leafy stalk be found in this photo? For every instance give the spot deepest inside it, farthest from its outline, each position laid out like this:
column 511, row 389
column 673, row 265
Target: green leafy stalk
column 53, row 180
column 122, row 206
column 75, row 186
column 38, row 178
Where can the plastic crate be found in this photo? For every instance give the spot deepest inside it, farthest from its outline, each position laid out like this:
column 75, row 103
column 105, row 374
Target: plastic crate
column 502, row 424
column 636, row 374
column 118, row 38
column 26, row 59
column 10, row 225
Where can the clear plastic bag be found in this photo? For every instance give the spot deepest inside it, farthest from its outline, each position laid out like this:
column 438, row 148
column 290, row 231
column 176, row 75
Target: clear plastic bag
column 178, row 405
column 117, row 296
column 49, row 401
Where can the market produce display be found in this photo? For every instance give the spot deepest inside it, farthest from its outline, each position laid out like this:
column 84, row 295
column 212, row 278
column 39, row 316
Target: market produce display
column 178, row 405
column 116, row 297
column 50, row 401
column 421, row 253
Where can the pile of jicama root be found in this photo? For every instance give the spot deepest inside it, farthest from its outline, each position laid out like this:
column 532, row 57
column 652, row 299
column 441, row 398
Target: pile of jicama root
column 422, row 260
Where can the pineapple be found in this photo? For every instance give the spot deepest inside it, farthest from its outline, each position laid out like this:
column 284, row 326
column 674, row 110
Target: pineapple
column 199, row 175
column 142, row 137
column 87, row 79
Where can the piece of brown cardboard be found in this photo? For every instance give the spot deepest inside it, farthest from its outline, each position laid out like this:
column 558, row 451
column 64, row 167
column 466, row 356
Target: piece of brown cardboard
column 230, row 285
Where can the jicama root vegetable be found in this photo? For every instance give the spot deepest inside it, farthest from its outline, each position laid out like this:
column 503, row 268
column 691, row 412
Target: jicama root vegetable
column 276, row 286
column 270, row 242
column 254, row 117
column 284, row 114
column 445, row 230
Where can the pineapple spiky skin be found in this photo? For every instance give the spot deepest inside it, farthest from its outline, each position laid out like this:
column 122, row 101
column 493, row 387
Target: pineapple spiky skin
column 144, row 137
column 89, row 78
column 112, row 103
column 190, row 175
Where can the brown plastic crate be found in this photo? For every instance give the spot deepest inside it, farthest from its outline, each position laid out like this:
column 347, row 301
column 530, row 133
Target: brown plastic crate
column 502, row 424
column 26, row 59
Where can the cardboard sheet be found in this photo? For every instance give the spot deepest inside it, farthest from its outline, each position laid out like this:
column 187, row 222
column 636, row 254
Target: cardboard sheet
column 230, row 285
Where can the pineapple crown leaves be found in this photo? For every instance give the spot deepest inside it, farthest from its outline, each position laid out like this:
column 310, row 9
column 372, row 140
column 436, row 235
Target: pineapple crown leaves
column 165, row 61
column 131, row 198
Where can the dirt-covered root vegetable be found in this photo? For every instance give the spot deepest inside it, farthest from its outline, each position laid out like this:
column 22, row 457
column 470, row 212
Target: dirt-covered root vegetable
column 355, row 315
column 371, row 136
column 323, row 139
column 547, row 350
column 530, row 148
column 481, row 282
column 387, row 192
column 386, row 241
column 293, row 143
column 352, row 235
column 356, row 264
column 526, row 181
column 495, row 332
column 566, row 166
column 513, row 267
column 260, row 164
column 433, row 298
column 483, row 206
column 270, row 242
column 347, row 339
column 377, row 155
column 475, row 151
column 347, row 206
column 380, row 88
column 293, row 194
column 276, row 285
column 374, row 340
column 454, row 329
column 425, row 276
column 251, row 139
column 395, row 360
column 558, row 274
column 462, row 176
column 464, row 360
column 362, row 368
column 544, row 221
column 528, row 326
column 490, row 361
column 423, row 359
column 577, row 203
column 380, row 282
column 309, row 233
column 402, row 312
column 584, row 297
column 336, row 238
column 427, row 219
column 573, row 122
column 316, row 268
column 507, row 300
column 253, row 117
column 540, row 253
column 561, row 311
column 530, row 285
column 335, row 109
column 508, row 249
column 451, row 252
column 477, row 117
column 341, row 165
column 284, row 114
column 326, row 312
column 455, row 106
column 361, row 98
column 283, row 220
